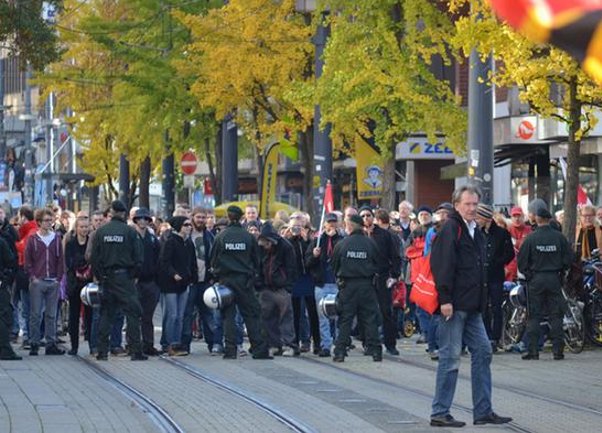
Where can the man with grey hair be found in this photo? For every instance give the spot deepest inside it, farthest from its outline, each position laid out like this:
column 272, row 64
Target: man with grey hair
column 457, row 262
column 405, row 209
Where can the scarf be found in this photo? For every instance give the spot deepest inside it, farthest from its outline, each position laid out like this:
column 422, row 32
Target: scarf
column 588, row 238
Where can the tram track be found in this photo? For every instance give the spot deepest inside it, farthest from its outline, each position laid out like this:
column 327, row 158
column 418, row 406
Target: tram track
column 290, row 422
column 509, row 388
column 159, row 417
column 513, row 426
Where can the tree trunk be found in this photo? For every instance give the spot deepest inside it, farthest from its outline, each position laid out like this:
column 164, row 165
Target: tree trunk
column 307, row 155
column 218, row 166
column 145, row 174
column 389, row 197
column 572, row 176
column 543, row 176
column 212, row 176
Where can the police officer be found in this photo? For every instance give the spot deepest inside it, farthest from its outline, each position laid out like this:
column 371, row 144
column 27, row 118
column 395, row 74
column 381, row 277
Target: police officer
column 355, row 266
column 8, row 267
column 542, row 257
column 117, row 257
column 235, row 264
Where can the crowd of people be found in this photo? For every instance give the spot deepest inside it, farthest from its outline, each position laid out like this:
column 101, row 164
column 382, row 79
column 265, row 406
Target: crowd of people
column 279, row 271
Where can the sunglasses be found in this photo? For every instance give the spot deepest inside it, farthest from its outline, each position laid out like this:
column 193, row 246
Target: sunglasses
column 366, row 215
column 187, row 225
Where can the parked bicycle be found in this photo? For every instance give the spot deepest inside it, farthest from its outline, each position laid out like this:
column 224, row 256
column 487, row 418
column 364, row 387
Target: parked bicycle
column 592, row 297
column 515, row 317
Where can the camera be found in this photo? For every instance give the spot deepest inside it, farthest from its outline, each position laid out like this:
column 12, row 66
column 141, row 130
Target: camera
column 295, row 230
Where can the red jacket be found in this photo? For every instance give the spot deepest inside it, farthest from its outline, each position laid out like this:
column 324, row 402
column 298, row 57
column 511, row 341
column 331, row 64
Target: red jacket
column 518, row 235
column 25, row 231
column 43, row 261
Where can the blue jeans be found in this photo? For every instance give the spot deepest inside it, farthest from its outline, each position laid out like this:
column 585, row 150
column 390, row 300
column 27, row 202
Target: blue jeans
column 211, row 332
column 433, row 343
column 327, row 331
column 470, row 328
column 117, row 331
column 424, row 321
column 174, row 305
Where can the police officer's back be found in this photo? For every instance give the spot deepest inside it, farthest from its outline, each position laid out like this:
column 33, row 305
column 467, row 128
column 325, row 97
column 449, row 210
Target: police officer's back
column 117, row 256
column 355, row 265
column 235, row 263
column 543, row 256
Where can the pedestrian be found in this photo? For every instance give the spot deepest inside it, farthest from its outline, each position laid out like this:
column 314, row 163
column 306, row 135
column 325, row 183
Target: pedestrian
column 544, row 255
column 405, row 210
column 303, row 297
column 355, row 264
column 178, row 265
column 318, row 259
column 498, row 253
column 44, row 265
column 148, row 289
column 457, row 262
column 415, row 248
column 8, row 268
column 116, row 260
column 277, row 277
column 589, row 233
column 27, row 227
column 518, row 232
column 235, row 264
column 388, row 270
column 202, row 239
column 79, row 273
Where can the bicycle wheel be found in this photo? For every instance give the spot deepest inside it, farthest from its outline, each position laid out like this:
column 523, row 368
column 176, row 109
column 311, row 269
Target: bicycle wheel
column 593, row 319
column 515, row 323
column 574, row 327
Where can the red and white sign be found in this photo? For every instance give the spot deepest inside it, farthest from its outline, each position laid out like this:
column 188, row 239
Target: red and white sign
column 188, row 163
column 525, row 130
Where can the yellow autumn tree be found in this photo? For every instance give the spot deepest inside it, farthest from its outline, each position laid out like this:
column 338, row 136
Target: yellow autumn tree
column 536, row 69
column 116, row 75
column 245, row 56
column 377, row 85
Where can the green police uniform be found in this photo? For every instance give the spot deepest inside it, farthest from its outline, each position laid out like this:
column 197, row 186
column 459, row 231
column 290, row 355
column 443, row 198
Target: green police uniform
column 355, row 266
column 235, row 263
column 544, row 254
column 116, row 257
column 8, row 266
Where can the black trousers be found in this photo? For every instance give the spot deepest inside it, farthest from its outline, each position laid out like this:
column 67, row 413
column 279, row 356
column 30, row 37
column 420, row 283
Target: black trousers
column 544, row 294
column 494, row 316
column 249, row 308
column 385, row 304
column 119, row 293
column 312, row 313
column 148, row 295
column 357, row 297
column 6, row 322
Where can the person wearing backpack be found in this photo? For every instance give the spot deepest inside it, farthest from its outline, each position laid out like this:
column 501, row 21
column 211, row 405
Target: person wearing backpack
column 458, row 266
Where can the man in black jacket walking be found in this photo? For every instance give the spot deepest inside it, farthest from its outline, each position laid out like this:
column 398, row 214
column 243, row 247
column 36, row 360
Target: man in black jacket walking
column 457, row 262
column 498, row 253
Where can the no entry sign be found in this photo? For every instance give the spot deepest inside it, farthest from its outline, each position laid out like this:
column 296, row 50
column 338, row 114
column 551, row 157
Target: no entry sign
column 188, row 163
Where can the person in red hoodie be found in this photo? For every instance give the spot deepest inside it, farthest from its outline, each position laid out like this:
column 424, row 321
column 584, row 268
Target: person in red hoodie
column 27, row 227
column 44, row 264
column 518, row 232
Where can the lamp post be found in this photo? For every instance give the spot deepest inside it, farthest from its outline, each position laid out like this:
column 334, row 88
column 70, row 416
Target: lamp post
column 321, row 137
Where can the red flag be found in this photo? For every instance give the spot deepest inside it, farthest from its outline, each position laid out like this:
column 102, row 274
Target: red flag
column 328, row 198
column 572, row 25
column 582, row 198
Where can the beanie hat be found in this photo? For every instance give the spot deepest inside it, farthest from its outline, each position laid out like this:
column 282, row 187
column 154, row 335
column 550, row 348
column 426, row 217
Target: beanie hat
column 177, row 222
column 356, row 219
column 485, row 211
column 537, row 204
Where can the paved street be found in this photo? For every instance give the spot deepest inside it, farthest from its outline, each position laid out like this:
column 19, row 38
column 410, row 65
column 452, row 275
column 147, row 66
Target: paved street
column 66, row 394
